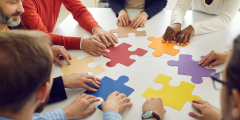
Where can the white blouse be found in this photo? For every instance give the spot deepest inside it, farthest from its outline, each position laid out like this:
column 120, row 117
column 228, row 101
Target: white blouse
column 224, row 9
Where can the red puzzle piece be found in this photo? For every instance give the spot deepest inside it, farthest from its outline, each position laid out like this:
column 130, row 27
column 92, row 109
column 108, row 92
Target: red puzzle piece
column 121, row 54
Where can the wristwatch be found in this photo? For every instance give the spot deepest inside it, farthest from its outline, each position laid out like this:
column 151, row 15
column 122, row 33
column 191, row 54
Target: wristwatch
column 148, row 114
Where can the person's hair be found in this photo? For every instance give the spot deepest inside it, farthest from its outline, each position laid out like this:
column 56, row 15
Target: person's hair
column 25, row 66
column 233, row 67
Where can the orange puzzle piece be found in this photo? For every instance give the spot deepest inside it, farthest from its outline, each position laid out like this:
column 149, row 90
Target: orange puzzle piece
column 163, row 47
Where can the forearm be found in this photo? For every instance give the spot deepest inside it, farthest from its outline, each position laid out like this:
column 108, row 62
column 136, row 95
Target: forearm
column 67, row 42
column 155, row 8
column 116, row 6
column 179, row 11
column 57, row 92
column 111, row 115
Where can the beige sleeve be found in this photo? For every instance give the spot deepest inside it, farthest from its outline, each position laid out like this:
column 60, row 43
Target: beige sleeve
column 179, row 11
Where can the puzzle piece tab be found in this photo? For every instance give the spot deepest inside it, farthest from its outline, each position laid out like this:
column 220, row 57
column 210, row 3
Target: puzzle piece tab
column 186, row 66
column 120, row 54
column 161, row 47
column 81, row 66
column 174, row 97
column 123, row 31
column 109, row 85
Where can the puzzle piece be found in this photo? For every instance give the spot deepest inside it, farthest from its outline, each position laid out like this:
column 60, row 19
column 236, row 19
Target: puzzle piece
column 81, row 66
column 123, row 31
column 109, row 85
column 186, row 66
column 163, row 47
column 172, row 96
column 120, row 54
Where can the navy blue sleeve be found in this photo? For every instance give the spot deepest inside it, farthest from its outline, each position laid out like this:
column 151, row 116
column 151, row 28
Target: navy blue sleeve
column 57, row 92
column 116, row 6
column 155, row 7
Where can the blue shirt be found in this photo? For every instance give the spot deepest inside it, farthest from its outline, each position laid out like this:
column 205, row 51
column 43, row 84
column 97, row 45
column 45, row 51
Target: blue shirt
column 59, row 114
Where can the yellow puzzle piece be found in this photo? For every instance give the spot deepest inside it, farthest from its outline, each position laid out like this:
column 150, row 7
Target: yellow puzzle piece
column 174, row 97
column 81, row 66
column 161, row 47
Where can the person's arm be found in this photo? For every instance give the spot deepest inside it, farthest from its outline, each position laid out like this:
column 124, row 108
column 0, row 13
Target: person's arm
column 228, row 11
column 155, row 7
column 57, row 92
column 116, row 6
column 111, row 115
column 57, row 114
column 32, row 21
column 180, row 10
column 81, row 14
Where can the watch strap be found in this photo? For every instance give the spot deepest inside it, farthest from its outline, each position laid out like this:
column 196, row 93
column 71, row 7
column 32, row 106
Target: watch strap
column 155, row 116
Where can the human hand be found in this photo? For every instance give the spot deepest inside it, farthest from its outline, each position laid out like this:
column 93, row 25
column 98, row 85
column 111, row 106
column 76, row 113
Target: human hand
column 185, row 35
column 172, row 32
column 218, row 56
column 77, row 109
column 79, row 80
column 139, row 20
column 93, row 46
column 105, row 36
column 154, row 104
column 60, row 50
column 116, row 102
column 123, row 18
column 208, row 112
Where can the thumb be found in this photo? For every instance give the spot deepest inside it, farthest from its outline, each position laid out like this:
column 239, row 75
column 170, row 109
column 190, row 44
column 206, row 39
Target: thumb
column 58, row 61
column 90, row 111
column 195, row 115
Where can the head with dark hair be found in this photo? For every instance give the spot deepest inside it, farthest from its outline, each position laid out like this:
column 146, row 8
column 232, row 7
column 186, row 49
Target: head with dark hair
column 230, row 95
column 25, row 66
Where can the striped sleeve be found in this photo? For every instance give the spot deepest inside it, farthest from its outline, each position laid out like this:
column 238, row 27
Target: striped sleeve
column 57, row 114
column 111, row 115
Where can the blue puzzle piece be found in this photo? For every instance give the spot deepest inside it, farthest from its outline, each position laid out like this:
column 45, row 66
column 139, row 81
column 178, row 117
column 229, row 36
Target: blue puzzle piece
column 109, row 85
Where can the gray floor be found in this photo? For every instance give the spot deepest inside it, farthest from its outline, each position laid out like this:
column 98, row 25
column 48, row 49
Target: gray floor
column 90, row 3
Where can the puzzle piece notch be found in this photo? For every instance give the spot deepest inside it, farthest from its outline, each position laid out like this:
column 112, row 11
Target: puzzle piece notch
column 172, row 96
column 124, row 31
column 121, row 54
column 81, row 66
column 163, row 47
column 109, row 85
column 186, row 66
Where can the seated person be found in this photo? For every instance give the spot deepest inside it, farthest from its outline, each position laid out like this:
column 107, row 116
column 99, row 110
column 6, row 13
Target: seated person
column 224, row 9
column 26, row 81
column 151, row 8
column 43, row 14
column 10, row 16
column 230, row 91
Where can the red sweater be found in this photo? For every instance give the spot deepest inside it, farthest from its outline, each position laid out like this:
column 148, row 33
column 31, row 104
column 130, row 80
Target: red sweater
column 43, row 14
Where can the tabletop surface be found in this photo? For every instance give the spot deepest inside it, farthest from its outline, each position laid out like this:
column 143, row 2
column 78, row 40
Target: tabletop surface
column 146, row 68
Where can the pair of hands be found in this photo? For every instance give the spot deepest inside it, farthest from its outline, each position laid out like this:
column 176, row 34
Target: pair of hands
column 93, row 45
column 138, row 21
column 174, row 33
column 115, row 102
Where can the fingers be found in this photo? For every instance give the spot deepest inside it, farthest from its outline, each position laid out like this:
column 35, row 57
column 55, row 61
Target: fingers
column 83, row 95
column 66, row 55
column 115, row 93
column 142, row 23
column 124, row 21
column 184, row 40
column 100, row 45
column 90, row 111
column 133, row 21
column 139, row 23
column 91, row 81
column 197, row 106
column 125, row 105
column 58, row 61
column 121, row 95
column 199, row 101
column 89, row 88
column 208, row 59
column 195, row 115
column 114, row 38
column 121, row 21
column 110, row 39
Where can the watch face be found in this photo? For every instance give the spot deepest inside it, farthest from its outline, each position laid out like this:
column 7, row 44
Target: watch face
column 147, row 114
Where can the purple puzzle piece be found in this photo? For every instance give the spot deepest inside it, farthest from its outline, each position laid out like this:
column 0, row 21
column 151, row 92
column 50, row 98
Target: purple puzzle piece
column 186, row 66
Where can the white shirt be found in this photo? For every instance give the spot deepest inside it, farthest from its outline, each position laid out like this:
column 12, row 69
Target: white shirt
column 224, row 9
